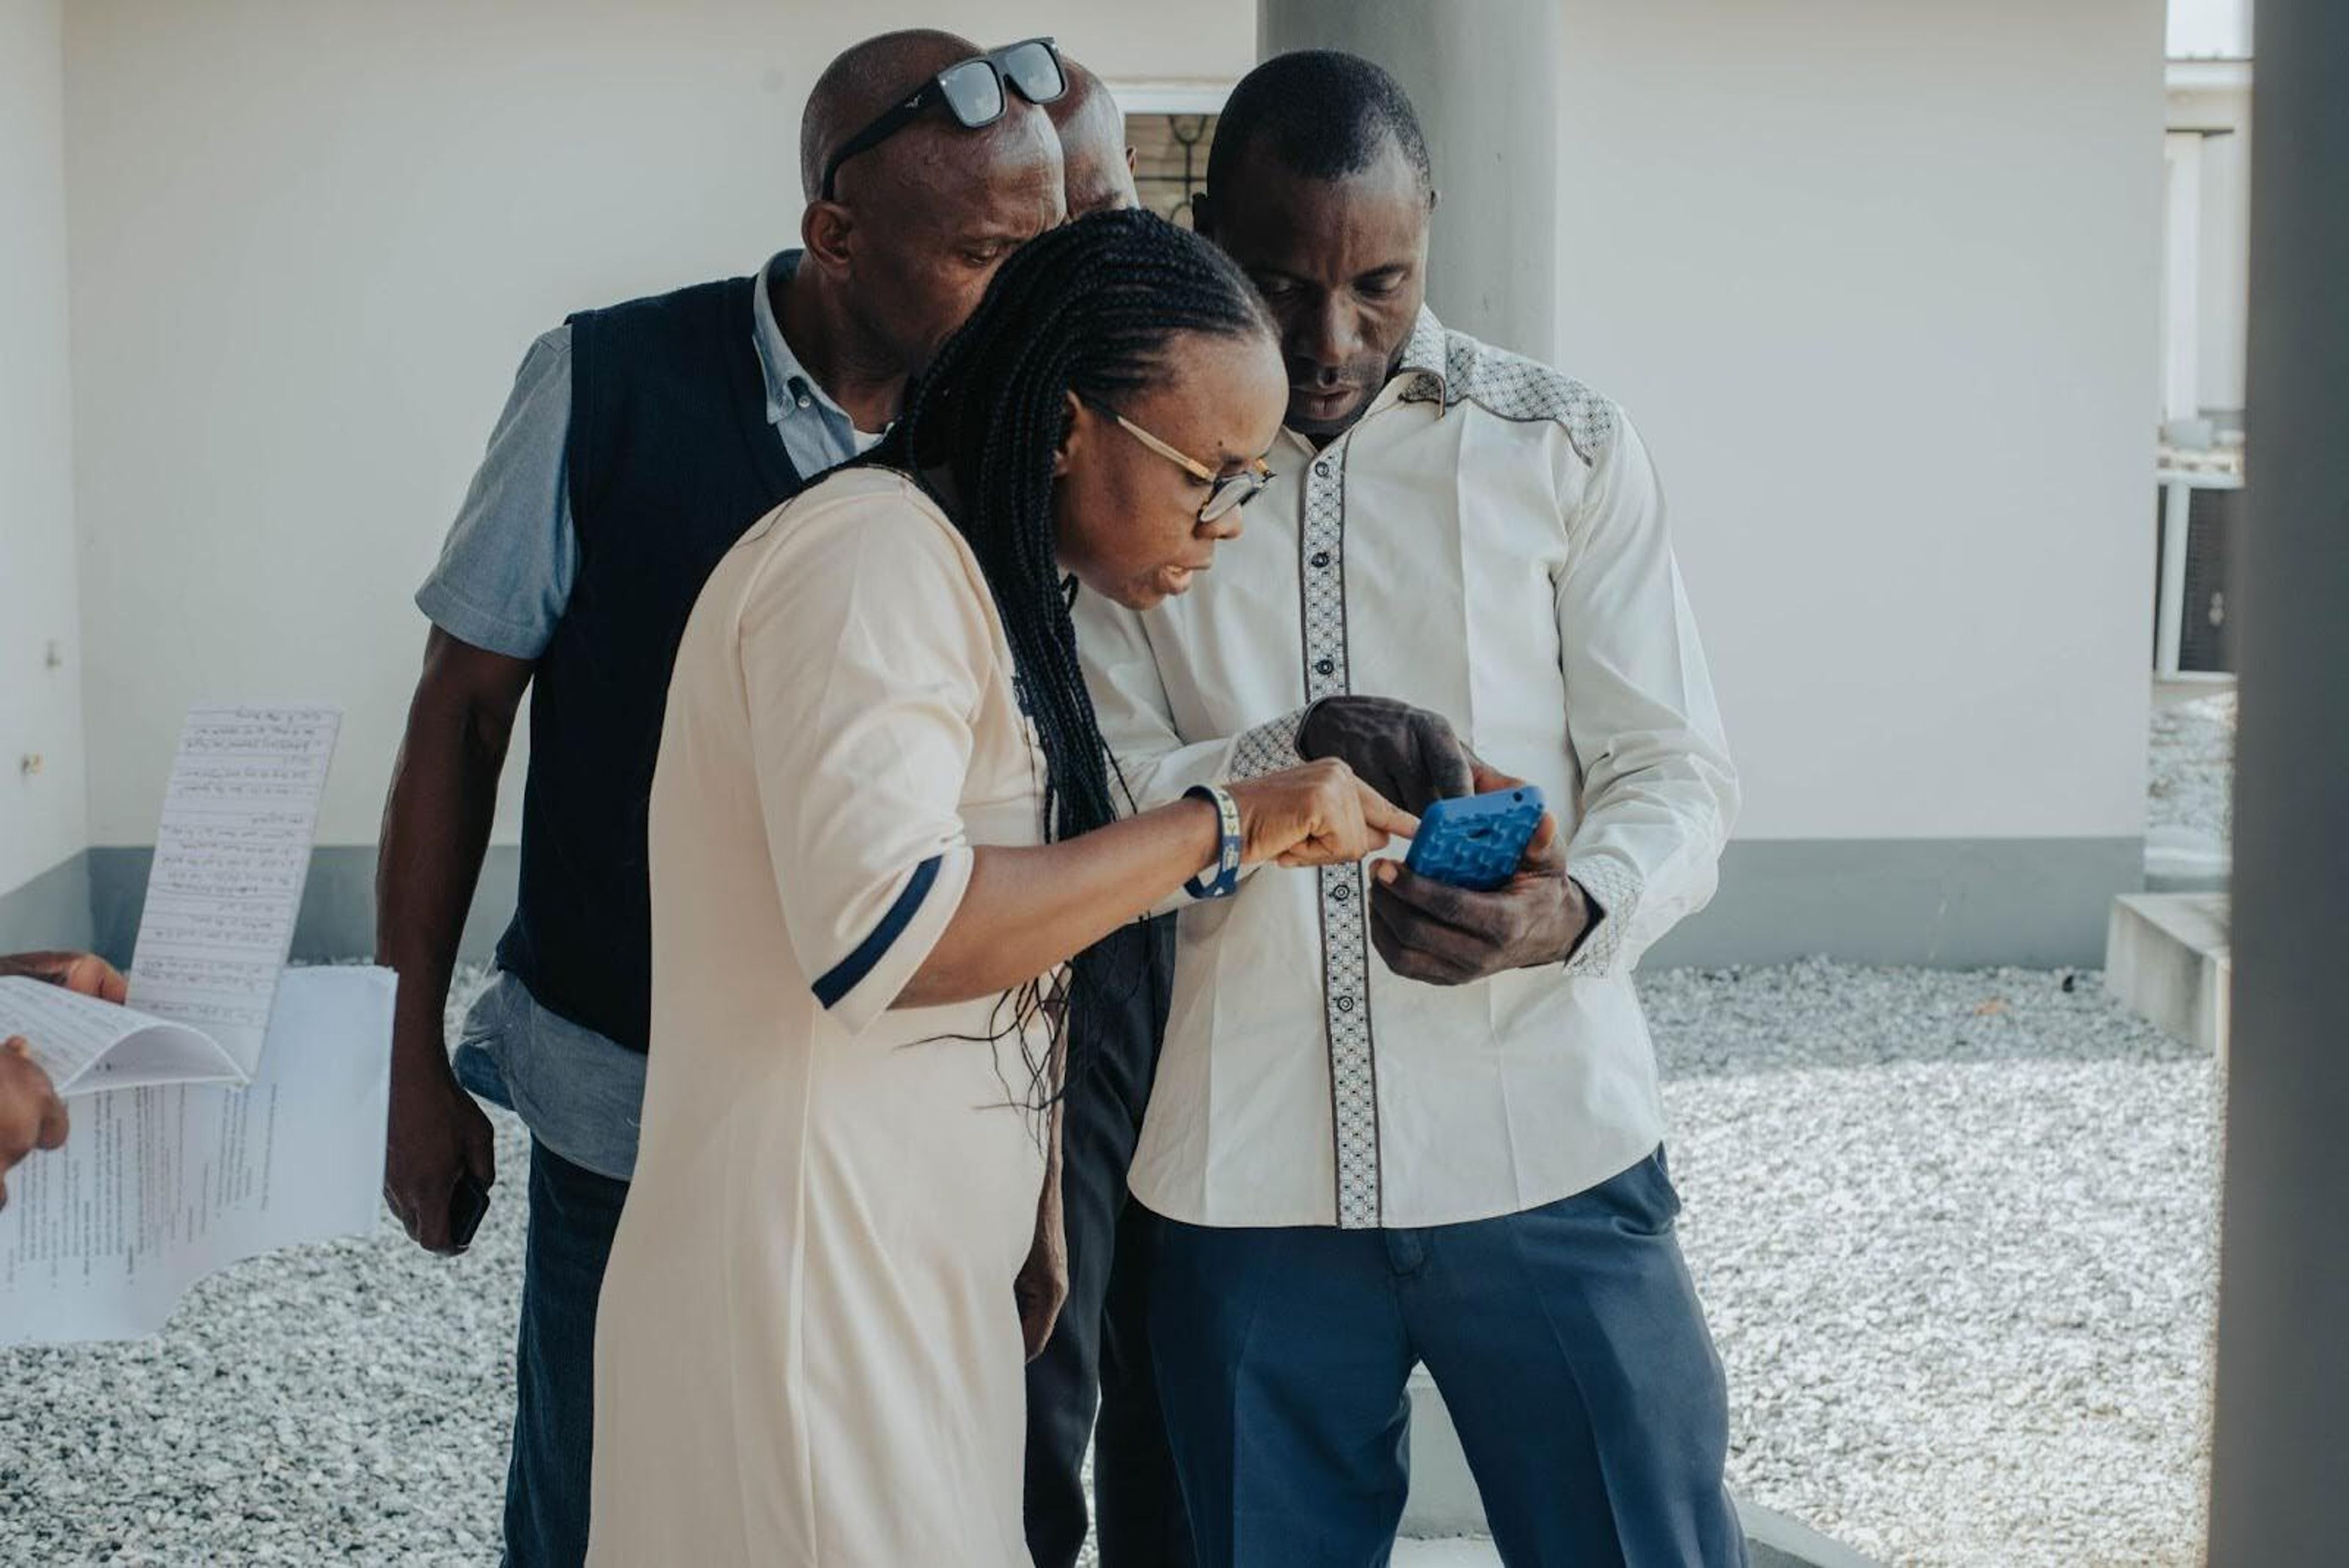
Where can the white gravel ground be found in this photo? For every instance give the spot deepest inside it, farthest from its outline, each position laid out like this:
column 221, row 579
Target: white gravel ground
column 2189, row 781
column 1954, row 1231
column 1956, row 1235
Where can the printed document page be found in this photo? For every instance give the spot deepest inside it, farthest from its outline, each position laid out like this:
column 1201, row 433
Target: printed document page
column 85, row 1044
column 231, row 853
column 157, row 1188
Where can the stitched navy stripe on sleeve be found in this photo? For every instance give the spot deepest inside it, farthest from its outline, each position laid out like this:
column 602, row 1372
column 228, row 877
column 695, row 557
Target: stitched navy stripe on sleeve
column 844, row 976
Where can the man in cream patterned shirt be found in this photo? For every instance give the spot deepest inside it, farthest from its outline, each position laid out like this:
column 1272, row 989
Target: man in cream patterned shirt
column 1396, row 1123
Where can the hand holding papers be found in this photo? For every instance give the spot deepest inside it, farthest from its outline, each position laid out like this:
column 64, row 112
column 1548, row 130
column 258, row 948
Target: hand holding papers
column 231, row 856
column 163, row 1181
column 85, row 1044
column 158, row 1187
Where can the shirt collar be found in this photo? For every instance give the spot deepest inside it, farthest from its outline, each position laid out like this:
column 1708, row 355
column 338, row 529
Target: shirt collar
column 1419, row 376
column 1423, row 356
column 789, row 389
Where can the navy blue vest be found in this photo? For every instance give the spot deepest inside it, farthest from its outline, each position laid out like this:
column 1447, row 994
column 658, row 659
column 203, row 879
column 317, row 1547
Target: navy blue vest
column 670, row 460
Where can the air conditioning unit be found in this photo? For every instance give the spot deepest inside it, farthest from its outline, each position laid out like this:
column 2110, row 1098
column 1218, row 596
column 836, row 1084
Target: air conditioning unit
column 2200, row 518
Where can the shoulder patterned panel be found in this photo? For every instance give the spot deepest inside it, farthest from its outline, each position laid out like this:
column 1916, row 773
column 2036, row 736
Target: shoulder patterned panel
column 1268, row 748
column 1516, row 388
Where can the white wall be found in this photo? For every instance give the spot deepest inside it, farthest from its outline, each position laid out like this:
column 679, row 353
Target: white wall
column 43, row 817
column 310, row 244
column 1880, row 284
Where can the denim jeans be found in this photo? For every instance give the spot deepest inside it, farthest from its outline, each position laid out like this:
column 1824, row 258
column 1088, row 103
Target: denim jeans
column 573, row 1214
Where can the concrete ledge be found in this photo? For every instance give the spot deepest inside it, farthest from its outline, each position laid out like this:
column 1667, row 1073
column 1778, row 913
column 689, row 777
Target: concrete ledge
column 1443, row 1499
column 1775, row 1541
column 2168, row 959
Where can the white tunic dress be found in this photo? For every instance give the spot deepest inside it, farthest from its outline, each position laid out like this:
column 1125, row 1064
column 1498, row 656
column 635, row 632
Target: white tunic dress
column 808, row 1351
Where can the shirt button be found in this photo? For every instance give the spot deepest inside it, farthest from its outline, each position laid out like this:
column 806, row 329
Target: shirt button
column 1321, row 470
column 1321, row 557
column 1345, row 1005
column 1341, row 894
column 1325, row 666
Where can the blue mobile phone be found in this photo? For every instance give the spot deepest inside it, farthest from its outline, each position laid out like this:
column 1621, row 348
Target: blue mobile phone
column 1474, row 841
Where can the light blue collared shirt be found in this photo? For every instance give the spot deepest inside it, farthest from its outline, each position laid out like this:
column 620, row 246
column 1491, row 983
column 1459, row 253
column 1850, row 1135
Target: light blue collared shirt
column 504, row 576
column 506, row 569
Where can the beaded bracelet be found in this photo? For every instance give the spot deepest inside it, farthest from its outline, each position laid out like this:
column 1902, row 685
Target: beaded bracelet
column 1227, row 878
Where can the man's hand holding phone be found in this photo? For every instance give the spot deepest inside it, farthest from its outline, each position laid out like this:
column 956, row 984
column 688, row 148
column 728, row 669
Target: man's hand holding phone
column 1432, row 932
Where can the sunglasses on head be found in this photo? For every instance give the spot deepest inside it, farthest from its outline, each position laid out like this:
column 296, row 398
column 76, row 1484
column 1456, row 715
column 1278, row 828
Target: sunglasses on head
column 973, row 91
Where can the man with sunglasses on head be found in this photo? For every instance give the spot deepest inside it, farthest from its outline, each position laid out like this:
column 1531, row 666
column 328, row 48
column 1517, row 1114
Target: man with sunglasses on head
column 638, row 443
column 1396, row 1122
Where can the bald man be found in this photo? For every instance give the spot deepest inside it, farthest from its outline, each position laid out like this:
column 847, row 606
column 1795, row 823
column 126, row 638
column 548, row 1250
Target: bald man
column 638, row 443
column 1097, row 163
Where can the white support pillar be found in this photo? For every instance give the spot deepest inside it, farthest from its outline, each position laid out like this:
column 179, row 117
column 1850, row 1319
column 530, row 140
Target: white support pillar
column 1484, row 79
column 2181, row 274
column 2280, row 1471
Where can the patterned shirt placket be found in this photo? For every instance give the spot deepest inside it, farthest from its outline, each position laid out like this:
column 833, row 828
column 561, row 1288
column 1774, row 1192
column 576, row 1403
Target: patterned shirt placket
column 1345, row 943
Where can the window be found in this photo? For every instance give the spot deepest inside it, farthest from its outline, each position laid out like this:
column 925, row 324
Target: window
column 1170, row 161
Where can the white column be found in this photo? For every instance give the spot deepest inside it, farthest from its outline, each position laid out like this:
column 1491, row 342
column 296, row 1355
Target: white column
column 1485, row 79
column 2182, row 276
column 2225, row 261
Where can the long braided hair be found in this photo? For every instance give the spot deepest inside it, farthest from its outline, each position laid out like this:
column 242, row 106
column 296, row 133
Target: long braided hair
column 1091, row 307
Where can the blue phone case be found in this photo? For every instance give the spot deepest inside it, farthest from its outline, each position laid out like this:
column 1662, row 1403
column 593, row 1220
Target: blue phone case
column 1475, row 841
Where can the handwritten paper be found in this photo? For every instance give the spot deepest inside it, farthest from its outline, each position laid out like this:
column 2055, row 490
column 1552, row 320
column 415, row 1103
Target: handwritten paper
column 85, row 1044
column 157, row 1188
column 231, row 853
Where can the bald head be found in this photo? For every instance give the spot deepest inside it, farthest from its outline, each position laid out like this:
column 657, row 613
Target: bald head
column 1094, row 154
column 866, row 79
column 917, row 224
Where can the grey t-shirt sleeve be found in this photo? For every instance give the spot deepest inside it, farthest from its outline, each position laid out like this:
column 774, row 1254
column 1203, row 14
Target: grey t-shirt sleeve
column 506, row 569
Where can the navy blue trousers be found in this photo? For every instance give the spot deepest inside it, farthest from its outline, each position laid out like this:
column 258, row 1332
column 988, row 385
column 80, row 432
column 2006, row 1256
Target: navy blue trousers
column 574, row 1215
column 1566, row 1341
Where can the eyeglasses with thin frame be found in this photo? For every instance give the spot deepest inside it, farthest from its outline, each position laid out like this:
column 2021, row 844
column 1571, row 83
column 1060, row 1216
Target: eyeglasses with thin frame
column 1229, row 491
column 973, row 91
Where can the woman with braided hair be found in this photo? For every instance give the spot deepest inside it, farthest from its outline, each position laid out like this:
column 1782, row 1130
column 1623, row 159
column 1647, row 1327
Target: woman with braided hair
column 883, row 822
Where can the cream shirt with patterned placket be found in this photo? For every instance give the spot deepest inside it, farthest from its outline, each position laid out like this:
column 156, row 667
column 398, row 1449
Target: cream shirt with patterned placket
column 1489, row 542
